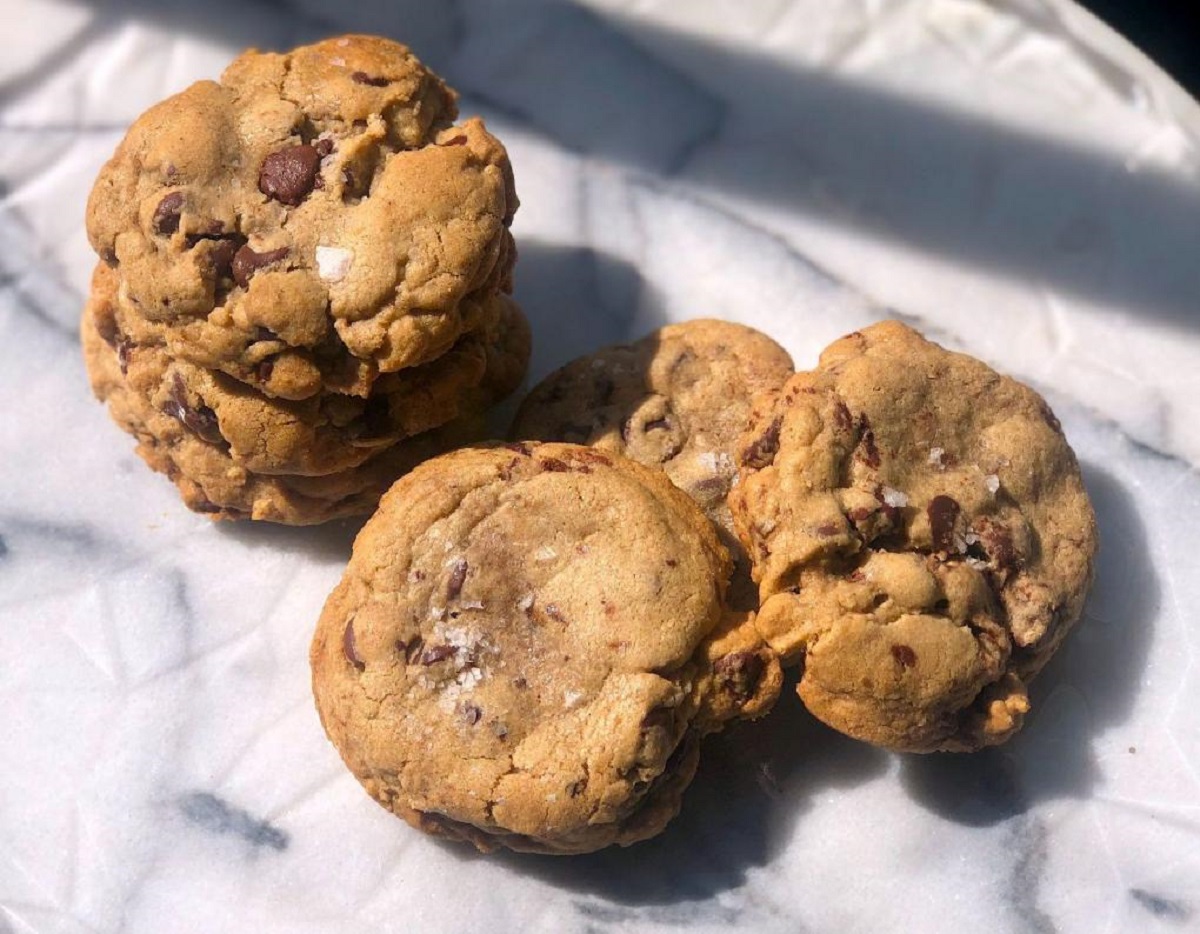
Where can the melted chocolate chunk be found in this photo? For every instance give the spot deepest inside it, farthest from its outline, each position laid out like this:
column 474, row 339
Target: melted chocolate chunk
column 124, row 349
column 246, row 262
column 904, row 655
column 458, row 575
column 943, row 513
column 472, row 714
column 220, row 257
column 200, row 421
column 841, row 415
column 349, row 648
column 761, row 453
column 437, row 653
column 361, row 77
column 288, row 175
column 166, row 215
column 739, row 673
column 870, row 450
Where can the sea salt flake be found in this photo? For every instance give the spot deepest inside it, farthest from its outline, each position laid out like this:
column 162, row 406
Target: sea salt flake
column 471, row 604
column 992, row 482
column 894, row 498
column 525, row 602
column 977, row 564
column 572, row 698
column 935, row 456
column 333, row 262
column 545, row 553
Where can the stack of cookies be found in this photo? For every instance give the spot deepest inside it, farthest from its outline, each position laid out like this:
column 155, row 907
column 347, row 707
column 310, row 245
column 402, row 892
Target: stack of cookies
column 304, row 278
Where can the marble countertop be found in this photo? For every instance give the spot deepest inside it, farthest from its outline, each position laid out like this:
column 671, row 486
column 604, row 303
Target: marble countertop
column 1010, row 176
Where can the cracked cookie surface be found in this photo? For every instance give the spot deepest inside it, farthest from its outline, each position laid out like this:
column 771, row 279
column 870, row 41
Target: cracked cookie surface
column 921, row 537
column 525, row 649
column 316, row 209
column 678, row 399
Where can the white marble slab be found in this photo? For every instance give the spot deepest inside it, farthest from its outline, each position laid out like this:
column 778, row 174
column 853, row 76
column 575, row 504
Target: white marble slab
column 1008, row 175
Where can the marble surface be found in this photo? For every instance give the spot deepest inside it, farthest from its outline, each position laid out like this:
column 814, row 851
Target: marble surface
column 1008, row 175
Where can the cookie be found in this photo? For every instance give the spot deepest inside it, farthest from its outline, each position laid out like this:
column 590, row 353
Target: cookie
column 921, row 537
column 317, row 210
column 678, row 399
column 172, row 440
column 524, row 649
column 330, row 431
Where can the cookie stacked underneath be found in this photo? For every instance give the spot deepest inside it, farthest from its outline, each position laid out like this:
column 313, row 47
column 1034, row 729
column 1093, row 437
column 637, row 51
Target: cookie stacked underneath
column 304, row 281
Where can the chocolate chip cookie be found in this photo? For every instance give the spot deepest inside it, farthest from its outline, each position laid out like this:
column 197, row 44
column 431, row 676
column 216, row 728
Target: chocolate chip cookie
column 677, row 399
column 524, row 650
column 317, row 211
column 921, row 537
column 180, row 436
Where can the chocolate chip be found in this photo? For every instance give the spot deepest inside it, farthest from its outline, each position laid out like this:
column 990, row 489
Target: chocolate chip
column 841, row 415
column 739, row 673
column 827, row 529
column 201, row 421
column 349, row 648
column 904, row 655
column 220, row 257
column 411, row 650
column 264, row 370
column 288, row 175
column 436, row 653
column 520, row 683
column 554, row 465
column 166, row 215
column 323, row 147
column 106, row 327
column 575, row 789
column 672, row 563
column 361, row 77
column 458, row 574
column 246, row 262
column 943, row 512
column 520, row 447
column 472, row 714
column 867, row 439
column 109, row 255
column 761, row 452
column 455, row 141
column 124, row 349
column 264, row 334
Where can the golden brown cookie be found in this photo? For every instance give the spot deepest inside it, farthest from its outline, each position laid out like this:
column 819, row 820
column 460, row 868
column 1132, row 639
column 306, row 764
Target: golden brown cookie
column 315, row 210
column 921, row 538
column 524, row 650
column 678, row 399
column 183, row 440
